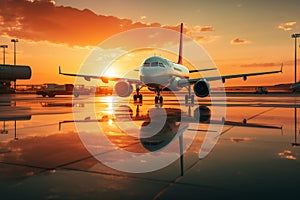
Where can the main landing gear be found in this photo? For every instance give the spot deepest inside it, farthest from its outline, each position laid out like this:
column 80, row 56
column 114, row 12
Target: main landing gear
column 189, row 96
column 138, row 97
column 159, row 99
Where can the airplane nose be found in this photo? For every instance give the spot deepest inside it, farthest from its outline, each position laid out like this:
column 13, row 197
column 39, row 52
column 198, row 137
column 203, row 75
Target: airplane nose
column 154, row 76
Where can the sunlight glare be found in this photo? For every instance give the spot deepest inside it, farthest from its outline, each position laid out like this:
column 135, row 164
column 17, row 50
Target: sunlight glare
column 111, row 72
column 109, row 101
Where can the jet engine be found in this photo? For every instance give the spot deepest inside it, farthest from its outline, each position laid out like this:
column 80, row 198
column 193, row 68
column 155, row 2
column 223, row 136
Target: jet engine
column 202, row 114
column 123, row 88
column 201, row 88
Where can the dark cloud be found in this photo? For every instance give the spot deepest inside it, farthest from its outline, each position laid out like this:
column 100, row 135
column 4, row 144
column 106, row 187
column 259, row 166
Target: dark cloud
column 44, row 21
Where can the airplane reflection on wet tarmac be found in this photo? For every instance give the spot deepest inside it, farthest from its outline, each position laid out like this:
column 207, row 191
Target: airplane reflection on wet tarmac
column 177, row 123
column 202, row 114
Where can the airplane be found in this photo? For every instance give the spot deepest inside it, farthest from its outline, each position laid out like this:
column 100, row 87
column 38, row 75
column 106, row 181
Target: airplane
column 160, row 74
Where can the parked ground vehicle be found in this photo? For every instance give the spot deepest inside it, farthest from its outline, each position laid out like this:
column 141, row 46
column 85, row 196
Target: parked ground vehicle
column 261, row 90
column 52, row 89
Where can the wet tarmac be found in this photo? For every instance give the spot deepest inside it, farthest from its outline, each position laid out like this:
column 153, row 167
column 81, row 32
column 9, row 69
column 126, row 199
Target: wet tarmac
column 50, row 148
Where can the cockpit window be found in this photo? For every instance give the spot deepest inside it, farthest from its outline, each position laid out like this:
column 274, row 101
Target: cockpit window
column 146, row 64
column 154, row 64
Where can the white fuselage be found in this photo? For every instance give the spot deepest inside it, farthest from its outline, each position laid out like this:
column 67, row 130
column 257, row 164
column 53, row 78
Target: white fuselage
column 158, row 73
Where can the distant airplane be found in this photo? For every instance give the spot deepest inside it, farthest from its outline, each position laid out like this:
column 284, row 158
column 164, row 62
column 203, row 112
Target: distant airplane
column 159, row 74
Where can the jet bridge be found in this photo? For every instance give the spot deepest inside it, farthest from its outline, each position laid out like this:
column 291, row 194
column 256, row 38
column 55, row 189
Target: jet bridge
column 11, row 73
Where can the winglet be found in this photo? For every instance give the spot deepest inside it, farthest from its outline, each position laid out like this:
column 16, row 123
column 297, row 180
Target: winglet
column 59, row 70
column 281, row 68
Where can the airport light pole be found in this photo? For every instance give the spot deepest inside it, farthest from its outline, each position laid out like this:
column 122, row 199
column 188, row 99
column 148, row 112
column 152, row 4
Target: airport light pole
column 15, row 54
column 295, row 35
column 15, row 58
column 4, row 47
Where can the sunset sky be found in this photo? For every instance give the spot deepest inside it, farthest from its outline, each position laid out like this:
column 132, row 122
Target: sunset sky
column 239, row 35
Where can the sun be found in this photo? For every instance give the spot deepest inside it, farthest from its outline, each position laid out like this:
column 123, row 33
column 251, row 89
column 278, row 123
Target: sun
column 111, row 72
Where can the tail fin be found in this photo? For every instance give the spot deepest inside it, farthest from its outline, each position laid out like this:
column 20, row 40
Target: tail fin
column 180, row 45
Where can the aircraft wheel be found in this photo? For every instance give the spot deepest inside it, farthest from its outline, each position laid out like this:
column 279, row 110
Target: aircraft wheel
column 135, row 97
column 186, row 99
column 192, row 99
column 44, row 95
column 156, row 99
column 161, row 99
column 140, row 97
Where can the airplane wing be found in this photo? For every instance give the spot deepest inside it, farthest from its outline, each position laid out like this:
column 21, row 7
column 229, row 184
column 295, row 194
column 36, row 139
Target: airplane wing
column 104, row 79
column 223, row 78
column 202, row 70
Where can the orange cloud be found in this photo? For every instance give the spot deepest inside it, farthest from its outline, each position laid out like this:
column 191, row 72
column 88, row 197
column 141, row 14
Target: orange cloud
column 287, row 26
column 42, row 20
column 270, row 64
column 240, row 41
column 196, row 33
column 207, row 28
column 205, row 39
column 199, row 29
column 267, row 64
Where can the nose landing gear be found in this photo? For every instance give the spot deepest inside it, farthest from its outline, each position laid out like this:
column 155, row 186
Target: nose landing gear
column 138, row 97
column 158, row 98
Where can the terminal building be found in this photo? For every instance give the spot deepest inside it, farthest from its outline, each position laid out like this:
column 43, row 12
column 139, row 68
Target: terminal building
column 9, row 74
